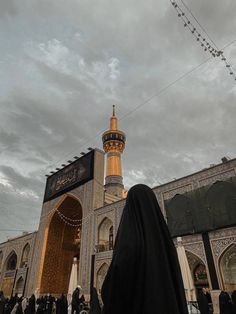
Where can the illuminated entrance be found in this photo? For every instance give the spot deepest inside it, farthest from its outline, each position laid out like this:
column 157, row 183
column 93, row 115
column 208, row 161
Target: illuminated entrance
column 62, row 244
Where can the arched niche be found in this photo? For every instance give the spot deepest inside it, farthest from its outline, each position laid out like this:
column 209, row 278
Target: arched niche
column 25, row 256
column 105, row 235
column 227, row 265
column 11, row 261
column 19, row 288
column 198, row 271
column 101, row 274
column 62, row 244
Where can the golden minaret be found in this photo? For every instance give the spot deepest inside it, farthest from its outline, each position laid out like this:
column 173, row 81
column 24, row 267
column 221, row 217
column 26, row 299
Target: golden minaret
column 113, row 145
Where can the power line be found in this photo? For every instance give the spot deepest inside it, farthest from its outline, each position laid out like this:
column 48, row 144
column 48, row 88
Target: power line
column 204, row 30
column 201, row 39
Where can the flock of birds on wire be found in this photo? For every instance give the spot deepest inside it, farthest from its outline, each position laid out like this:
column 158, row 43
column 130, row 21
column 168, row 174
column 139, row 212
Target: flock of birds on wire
column 204, row 43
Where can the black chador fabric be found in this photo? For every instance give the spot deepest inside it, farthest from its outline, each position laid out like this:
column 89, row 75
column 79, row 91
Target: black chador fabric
column 62, row 305
column 202, row 301
column 2, row 302
column 234, row 301
column 95, row 307
column 144, row 275
column 225, row 303
column 32, row 304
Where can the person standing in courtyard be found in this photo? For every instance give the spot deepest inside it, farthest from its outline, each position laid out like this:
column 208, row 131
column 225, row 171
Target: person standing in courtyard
column 202, row 301
column 233, row 296
column 32, row 304
column 95, row 307
column 2, row 302
column 144, row 267
column 225, row 303
column 62, row 305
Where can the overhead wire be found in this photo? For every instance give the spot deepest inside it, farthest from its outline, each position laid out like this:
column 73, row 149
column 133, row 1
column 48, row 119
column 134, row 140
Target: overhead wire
column 88, row 140
column 215, row 52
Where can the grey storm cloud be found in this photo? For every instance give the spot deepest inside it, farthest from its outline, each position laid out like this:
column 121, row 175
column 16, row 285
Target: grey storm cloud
column 63, row 64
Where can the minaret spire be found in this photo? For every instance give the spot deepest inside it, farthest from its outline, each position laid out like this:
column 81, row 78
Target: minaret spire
column 114, row 144
column 113, row 120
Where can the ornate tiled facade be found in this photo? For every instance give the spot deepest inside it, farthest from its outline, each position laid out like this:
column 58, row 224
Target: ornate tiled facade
column 90, row 198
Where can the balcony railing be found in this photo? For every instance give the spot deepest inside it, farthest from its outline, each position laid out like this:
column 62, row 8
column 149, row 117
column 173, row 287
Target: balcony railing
column 103, row 247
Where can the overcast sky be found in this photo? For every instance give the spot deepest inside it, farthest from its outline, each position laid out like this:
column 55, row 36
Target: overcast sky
column 64, row 63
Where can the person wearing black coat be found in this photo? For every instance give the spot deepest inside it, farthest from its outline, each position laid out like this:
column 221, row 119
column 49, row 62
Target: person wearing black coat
column 233, row 296
column 2, row 302
column 62, row 305
column 202, row 301
column 144, row 267
column 225, row 303
column 95, row 307
column 31, row 308
column 76, row 301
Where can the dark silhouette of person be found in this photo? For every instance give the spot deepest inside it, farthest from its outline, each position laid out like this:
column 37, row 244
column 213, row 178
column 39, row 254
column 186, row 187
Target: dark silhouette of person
column 95, row 307
column 202, row 301
column 225, row 303
column 76, row 301
column 144, row 265
column 62, row 305
column 31, row 305
column 41, row 305
column 2, row 302
column 233, row 296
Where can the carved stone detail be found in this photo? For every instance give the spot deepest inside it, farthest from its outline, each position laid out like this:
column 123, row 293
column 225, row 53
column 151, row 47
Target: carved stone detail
column 196, row 248
column 219, row 246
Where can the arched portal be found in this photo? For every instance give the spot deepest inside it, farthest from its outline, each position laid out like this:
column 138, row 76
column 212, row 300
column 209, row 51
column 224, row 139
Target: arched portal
column 20, row 286
column 105, row 235
column 9, row 272
column 25, row 256
column 101, row 274
column 228, row 268
column 11, row 261
column 61, row 246
column 198, row 271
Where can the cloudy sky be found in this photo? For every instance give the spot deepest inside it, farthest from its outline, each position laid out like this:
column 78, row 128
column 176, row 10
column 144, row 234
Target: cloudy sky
column 64, row 63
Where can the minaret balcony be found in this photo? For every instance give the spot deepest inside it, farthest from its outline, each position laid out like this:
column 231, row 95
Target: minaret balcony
column 113, row 136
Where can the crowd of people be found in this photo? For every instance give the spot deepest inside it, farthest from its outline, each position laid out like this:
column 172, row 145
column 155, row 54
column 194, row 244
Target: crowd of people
column 44, row 305
column 227, row 302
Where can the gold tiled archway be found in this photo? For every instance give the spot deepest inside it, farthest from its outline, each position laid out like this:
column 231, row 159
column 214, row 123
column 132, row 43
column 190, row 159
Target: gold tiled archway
column 61, row 246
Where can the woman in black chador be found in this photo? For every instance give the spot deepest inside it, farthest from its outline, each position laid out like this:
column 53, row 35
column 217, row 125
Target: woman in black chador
column 225, row 303
column 233, row 296
column 202, row 301
column 95, row 307
column 144, row 276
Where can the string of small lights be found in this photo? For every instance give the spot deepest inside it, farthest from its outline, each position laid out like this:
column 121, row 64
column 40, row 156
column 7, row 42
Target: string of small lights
column 202, row 40
column 76, row 225
column 69, row 221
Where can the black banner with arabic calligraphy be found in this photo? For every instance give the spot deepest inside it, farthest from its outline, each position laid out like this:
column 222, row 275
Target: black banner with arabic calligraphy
column 71, row 176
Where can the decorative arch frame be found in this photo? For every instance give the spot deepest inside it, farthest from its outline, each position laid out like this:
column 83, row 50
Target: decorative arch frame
column 201, row 262
column 10, row 255
column 105, row 233
column 47, row 230
column 25, row 255
column 219, row 261
column 19, row 286
column 101, row 276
